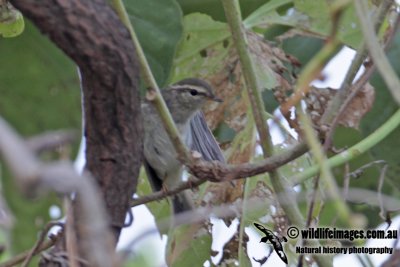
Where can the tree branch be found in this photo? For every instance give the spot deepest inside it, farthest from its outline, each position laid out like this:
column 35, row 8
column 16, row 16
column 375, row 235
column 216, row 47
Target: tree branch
column 377, row 136
column 283, row 191
column 22, row 256
column 219, row 172
column 153, row 91
column 40, row 242
column 51, row 140
column 62, row 178
column 92, row 35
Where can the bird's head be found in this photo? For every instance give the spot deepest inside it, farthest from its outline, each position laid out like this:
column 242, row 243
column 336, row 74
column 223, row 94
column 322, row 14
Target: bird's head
column 188, row 96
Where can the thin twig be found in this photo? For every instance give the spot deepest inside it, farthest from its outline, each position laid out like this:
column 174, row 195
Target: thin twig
column 356, row 88
column 376, row 51
column 347, row 92
column 363, row 146
column 357, row 62
column 309, row 214
column 312, row 70
column 51, row 140
column 312, row 201
column 153, row 91
column 232, row 12
column 70, row 235
column 40, row 241
column 285, row 194
column 316, row 64
column 325, row 170
column 346, row 182
column 234, row 19
column 309, row 73
column 22, row 256
column 61, row 177
column 369, row 197
column 357, row 173
column 380, row 185
column 202, row 214
column 199, row 215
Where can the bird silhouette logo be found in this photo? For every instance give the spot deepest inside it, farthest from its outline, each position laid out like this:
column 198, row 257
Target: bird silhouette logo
column 274, row 240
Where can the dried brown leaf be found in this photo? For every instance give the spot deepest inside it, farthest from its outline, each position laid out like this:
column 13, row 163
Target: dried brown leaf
column 319, row 98
column 229, row 85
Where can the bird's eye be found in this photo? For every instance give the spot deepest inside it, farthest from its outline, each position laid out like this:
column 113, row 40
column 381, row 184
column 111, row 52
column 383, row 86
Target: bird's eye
column 194, row 92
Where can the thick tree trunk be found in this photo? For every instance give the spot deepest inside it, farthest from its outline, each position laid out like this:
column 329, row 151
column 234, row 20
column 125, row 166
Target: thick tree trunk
column 91, row 34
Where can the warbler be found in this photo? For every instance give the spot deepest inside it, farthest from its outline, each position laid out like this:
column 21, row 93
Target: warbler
column 184, row 100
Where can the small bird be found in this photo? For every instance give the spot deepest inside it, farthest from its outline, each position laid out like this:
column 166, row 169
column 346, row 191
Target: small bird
column 275, row 241
column 184, row 100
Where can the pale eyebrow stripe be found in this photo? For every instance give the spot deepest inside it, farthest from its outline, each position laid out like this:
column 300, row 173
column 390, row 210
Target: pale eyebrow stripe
column 200, row 89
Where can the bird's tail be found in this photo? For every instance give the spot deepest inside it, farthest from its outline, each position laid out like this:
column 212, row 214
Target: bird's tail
column 182, row 202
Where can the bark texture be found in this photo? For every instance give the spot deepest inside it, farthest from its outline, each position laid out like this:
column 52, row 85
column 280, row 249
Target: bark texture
column 91, row 34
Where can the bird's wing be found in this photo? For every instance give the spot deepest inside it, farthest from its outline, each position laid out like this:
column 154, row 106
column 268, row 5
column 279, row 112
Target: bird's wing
column 155, row 181
column 181, row 202
column 203, row 140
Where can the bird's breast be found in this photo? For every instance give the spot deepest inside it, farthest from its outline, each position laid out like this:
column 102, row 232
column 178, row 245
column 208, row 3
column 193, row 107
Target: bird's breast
column 159, row 150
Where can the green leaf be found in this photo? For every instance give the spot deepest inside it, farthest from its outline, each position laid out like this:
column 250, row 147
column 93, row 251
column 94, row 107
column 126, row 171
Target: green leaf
column 143, row 256
column 39, row 86
column 302, row 47
column 215, row 9
column 202, row 37
column 207, row 47
column 268, row 14
column 383, row 108
column 188, row 245
column 158, row 25
column 316, row 13
column 308, row 15
column 224, row 133
column 344, row 138
column 270, row 103
column 319, row 20
column 39, row 91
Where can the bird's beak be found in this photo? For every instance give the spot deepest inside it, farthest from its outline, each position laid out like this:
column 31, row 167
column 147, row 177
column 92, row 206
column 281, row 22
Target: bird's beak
column 216, row 99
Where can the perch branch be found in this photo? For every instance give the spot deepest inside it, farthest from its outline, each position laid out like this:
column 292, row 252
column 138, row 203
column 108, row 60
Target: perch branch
column 217, row 171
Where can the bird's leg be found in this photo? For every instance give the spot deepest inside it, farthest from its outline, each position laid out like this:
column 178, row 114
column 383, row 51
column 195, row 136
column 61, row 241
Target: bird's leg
column 165, row 191
column 190, row 182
